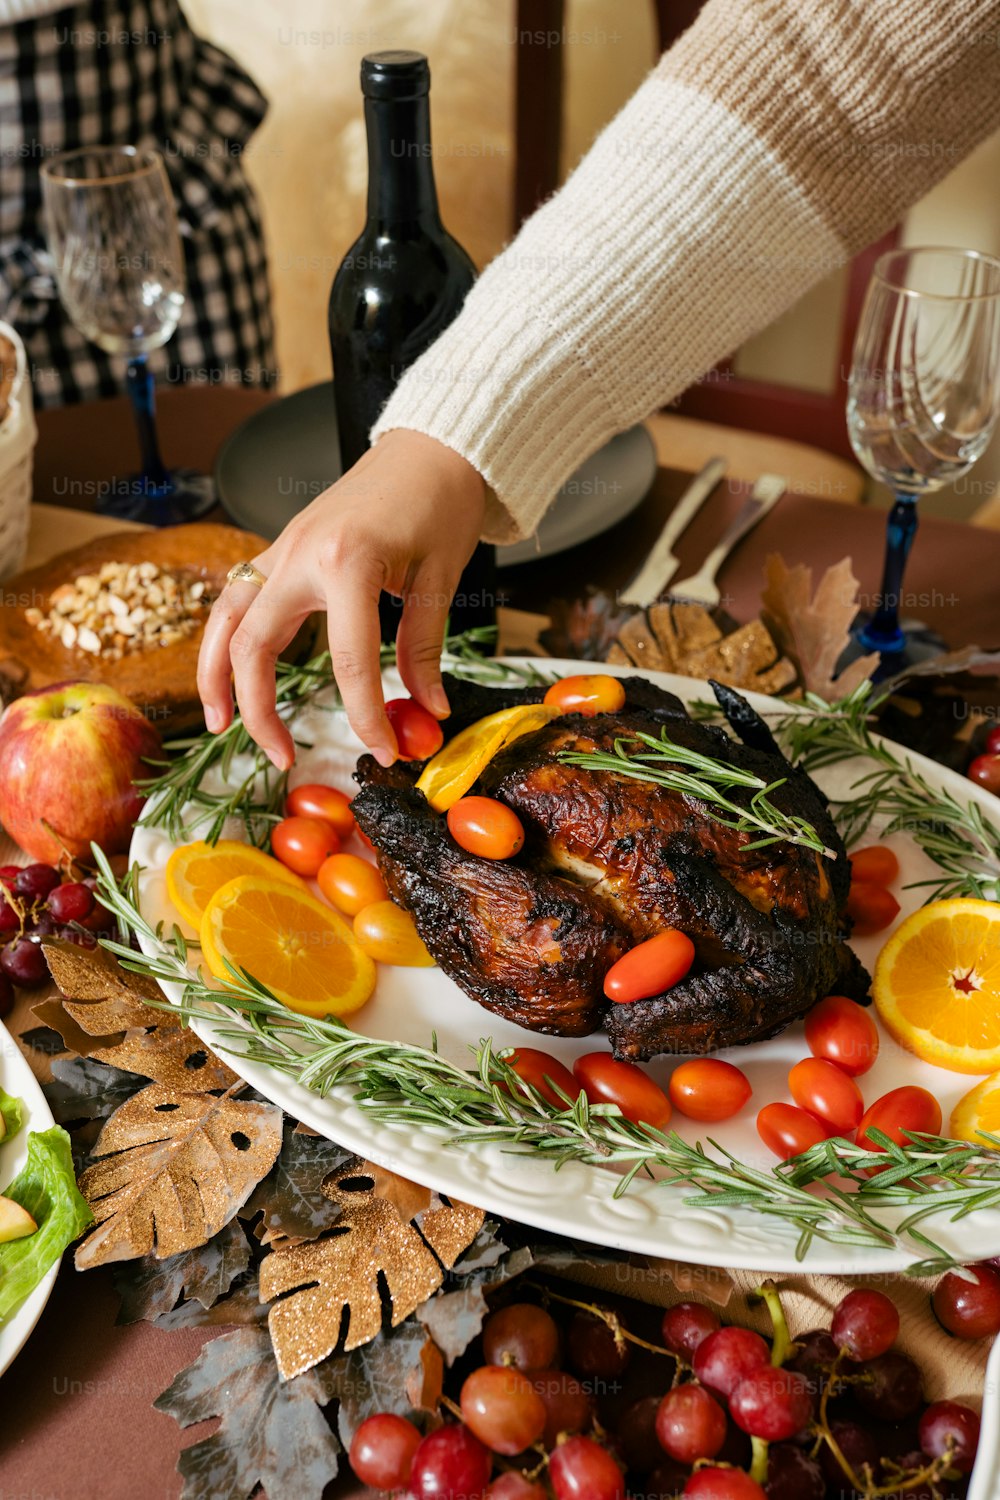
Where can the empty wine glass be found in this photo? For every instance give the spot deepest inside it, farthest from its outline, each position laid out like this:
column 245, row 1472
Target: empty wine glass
column 112, row 231
column 923, row 399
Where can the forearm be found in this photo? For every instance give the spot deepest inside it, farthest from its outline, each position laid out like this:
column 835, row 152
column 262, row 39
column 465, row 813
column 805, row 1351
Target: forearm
column 772, row 142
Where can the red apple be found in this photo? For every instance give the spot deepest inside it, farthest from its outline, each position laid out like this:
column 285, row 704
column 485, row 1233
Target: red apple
column 69, row 756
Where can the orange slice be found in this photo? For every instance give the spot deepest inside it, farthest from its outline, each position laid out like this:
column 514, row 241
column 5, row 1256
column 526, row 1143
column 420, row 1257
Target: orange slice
column 196, row 871
column 978, row 1110
column 448, row 775
column 937, row 985
column 300, row 948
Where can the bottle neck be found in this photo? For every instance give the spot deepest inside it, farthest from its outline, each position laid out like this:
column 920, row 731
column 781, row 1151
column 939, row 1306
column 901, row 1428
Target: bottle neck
column 400, row 169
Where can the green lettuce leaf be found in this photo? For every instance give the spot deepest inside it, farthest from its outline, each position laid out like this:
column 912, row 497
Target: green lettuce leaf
column 46, row 1187
column 12, row 1111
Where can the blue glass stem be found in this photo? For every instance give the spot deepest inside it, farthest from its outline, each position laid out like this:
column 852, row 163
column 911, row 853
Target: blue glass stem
column 882, row 633
column 141, row 388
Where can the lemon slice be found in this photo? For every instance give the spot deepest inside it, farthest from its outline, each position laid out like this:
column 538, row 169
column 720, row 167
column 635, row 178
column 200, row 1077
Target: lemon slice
column 281, row 934
column 937, row 985
column 196, row 871
column 450, row 773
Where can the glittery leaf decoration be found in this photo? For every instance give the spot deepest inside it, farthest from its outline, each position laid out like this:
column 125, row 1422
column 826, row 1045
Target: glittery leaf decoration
column 291, row 1197
column 153, row 1288
column 172, row 1169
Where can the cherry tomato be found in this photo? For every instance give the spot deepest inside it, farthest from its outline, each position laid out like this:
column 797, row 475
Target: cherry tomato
column 599, row 694
column 706, row 1088
column 985, row 769
column 302, row 844
column 535, row 1066
column 605, row 1080
column 350, row 883
column 993, row 740
column 316, row 801
column 871, row 908
column 650, row 967
column 906, row 1108
column 389, row 935
column 821, row 1088
column 486, row 827
column 844, row 1033
column 418, row 733
column 875, row 865
column 787, row 1130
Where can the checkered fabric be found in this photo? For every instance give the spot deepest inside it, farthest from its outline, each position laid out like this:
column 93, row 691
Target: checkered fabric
column 117, row 72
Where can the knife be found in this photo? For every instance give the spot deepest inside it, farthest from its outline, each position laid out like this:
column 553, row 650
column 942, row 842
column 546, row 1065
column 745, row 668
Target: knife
column 661, row 564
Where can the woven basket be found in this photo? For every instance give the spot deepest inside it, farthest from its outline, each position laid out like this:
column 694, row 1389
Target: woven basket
column 17, row 442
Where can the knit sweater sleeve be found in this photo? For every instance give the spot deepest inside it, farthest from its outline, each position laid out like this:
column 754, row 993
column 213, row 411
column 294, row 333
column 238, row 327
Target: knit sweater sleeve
column 773, row 141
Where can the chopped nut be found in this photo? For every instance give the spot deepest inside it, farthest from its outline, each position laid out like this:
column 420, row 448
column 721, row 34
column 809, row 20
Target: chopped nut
column 122, row 608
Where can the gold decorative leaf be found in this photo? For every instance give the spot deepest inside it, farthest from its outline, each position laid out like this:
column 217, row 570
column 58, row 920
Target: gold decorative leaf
column 94, row 974
column 171, row 1055
column 52, row 1012
column 450, row 1229
column 408, row 1198
column 173, row 1169
column 813, row 629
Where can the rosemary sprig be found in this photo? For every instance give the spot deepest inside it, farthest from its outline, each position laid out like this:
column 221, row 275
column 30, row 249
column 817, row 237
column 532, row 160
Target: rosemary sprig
column 417, row 1086
column 195, row 791
column 682, row 769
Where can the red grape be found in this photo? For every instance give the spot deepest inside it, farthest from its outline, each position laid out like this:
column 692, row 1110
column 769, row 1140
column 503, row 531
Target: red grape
column 690, row 1424
column 8, row 874
column 24, row 962
column 891, row 1388
column 450, row 1464
column 865, row 1324
column 792, row 1474
column 514, row 1486
column 71, row 902
column 722, row 1484
column 568, row 1406
column 6, row 996
column 728, row 1356
column 814, row 1358
column 635, row 1436
column 592, row 1350
column 969, row 1309
column 9, row 919
column 947, row 1426
column 502, row 1409
column 992, row 745
column 666, row 1481
column 521, row 1334
column 771, row 1403
column 985, row 769
column 580, row 1469
column 685, row 1325
column 34, row 882
column 858, row 1446
column 382, row 1451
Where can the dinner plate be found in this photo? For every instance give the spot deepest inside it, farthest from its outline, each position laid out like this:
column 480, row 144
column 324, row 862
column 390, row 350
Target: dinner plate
column 985, row 1481
column 18, row 1079
column 652, row 1218
column 287, row 453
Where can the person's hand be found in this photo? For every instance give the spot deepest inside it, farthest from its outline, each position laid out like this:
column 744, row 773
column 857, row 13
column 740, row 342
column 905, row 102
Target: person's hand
column 406, row 519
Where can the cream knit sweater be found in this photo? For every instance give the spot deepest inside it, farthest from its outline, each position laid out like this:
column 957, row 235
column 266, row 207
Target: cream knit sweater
column 772, row 142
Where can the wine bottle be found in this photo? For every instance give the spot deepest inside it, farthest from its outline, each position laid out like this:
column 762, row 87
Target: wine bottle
column 401, row 283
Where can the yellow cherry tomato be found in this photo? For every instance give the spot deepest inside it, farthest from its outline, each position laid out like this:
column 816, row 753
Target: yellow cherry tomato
column 350, row 883
column 389, row 934
column 589, row 695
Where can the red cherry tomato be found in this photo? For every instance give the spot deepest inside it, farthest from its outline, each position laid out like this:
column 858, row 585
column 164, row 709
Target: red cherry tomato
column 706, row 1088
column 875, row 865
column 535, row 1067
column 985, row 770
column 821, row 1088
column 906, row 1108
column 486, row 827
column 304, row 843
column 871, row 908
column 787, row 1130
column 316, row 801
column 599, row 694
column 650, row 967
column 605, row 1080
column 350, row 883
column 844, row 1033
column 418, row 733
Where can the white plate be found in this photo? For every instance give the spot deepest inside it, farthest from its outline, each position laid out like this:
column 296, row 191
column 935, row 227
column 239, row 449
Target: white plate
column 985, row 1481
column 409, row 1004
column 18, row 1079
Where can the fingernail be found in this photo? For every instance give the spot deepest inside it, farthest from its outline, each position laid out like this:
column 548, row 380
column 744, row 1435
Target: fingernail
column 213, row 720
column 439, row 702
column 281, row 760
column 384, row 756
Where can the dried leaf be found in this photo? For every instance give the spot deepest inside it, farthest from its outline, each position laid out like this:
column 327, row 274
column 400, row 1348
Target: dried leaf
column 814, row 629
column 72, row 1036
column 408, row 1198
column 291, row 1197
column 85, row 1090
column 390, row 1374
column 172, row 1056
column 43, row 1039
column 95, row 974
column 271, row 1432
column 454, row 1319
column 150, row 1288
column 240, row 1309
column 174, row 1169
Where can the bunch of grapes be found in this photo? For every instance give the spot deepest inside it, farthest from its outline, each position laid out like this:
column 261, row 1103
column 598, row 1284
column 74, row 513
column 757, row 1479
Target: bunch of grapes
column 544, row 1411
column 36, row 903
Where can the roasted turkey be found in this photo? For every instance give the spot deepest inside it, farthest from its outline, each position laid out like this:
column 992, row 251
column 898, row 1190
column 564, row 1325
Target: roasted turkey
column 607, row 862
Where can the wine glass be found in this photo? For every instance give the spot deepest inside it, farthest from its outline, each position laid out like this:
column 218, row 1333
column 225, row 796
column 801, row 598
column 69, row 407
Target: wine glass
column 112, row 231
column 923, row 399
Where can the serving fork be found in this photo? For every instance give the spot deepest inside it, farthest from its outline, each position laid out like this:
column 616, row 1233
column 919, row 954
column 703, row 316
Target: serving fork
column 701, row 587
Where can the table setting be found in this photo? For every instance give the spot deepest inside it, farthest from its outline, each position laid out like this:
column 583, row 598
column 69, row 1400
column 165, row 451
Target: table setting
column 603, row 1099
